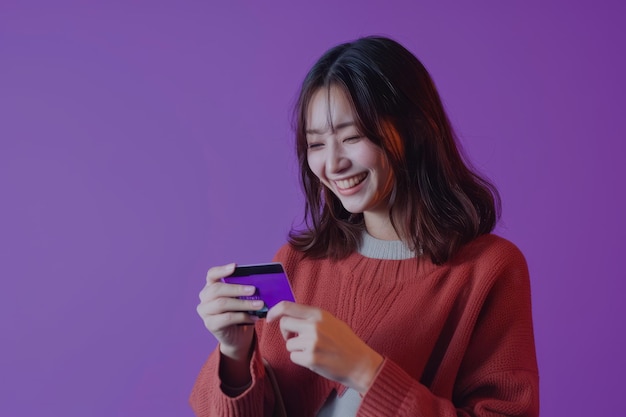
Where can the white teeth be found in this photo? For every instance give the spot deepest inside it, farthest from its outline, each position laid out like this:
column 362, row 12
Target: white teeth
column 350, row 182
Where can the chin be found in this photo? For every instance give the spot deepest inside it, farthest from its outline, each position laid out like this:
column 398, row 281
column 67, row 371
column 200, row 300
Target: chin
column 353, row 209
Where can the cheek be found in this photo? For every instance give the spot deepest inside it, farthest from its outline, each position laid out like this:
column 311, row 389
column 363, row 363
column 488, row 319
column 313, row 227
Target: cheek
column 315, row 164
column 383, row 170
column 373, row 158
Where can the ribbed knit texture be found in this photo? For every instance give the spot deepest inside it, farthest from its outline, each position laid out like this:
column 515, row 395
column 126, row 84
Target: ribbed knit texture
column 384, row 249
column 457, row 338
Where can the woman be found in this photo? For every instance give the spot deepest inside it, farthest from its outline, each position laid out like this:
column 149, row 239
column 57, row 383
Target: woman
column 406, row 304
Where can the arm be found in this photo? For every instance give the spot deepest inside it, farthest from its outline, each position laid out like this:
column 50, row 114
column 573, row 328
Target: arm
column 395, row 393
column 208, row 397
column 231, row 383
column 498, row 371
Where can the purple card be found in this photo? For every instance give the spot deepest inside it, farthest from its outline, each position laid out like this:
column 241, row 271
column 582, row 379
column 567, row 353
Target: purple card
column 270, row 280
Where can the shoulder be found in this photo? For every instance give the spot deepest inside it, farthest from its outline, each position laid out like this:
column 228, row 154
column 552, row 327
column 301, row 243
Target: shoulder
column 491, row 249
column 493, row 259
column 293, row 260
column 287, row 254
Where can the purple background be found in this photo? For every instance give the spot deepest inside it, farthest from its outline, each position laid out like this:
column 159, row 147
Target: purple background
column 142, row 142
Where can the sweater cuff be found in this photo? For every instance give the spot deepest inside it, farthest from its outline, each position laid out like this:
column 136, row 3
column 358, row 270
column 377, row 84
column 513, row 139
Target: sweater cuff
column 250, row 401
column 387, row 393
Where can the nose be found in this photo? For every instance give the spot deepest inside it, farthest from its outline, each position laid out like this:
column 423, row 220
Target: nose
column 337, row 160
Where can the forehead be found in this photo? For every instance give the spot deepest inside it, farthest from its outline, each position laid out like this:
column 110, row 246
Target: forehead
column 328, row 108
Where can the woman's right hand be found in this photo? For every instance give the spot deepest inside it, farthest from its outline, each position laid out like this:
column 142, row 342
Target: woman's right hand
column 225, row 316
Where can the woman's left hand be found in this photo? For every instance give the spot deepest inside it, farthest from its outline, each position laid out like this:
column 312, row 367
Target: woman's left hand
column 326, row 345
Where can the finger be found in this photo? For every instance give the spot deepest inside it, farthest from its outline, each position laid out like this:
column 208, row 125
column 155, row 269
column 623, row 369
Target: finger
column 289, row 309
column 291, row 327
column 218, row 272
column 221, row 289
column 298, row 344
column 303, row 358
column 228, row 304
column 219, row 322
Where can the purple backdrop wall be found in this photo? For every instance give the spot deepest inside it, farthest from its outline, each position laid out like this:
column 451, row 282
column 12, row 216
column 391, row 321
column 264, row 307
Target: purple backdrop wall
column 141, row 143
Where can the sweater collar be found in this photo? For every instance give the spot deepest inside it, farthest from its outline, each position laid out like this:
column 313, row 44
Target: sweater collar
column 384, row 249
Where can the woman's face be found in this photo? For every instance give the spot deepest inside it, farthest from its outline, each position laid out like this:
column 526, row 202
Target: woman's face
column 345, row 161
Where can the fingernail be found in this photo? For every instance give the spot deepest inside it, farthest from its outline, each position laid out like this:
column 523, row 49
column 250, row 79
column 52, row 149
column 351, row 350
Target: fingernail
column 249, row 289
column 258, row 303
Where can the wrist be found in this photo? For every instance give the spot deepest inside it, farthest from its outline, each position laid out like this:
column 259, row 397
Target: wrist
column 234, row 372
column 240, row 351
column 367, row 373
column 236, row 353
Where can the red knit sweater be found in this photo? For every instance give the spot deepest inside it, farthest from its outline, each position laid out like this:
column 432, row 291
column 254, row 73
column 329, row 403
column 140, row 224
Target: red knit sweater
column 457, row 338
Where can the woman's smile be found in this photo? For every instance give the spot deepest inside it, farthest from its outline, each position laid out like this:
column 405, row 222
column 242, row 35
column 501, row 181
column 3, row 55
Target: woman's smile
column 349, row 183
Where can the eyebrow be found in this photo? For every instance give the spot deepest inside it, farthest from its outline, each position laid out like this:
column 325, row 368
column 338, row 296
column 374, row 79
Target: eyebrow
column 334, row 128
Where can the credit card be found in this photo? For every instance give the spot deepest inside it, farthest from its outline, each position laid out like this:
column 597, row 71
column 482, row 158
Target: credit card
column 270, row 281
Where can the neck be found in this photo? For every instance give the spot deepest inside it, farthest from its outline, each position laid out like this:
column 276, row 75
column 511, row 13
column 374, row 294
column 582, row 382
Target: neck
column 379, row 225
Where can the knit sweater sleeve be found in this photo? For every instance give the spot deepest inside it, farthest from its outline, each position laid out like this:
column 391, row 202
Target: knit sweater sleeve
column 208, row 400
column 498, row 371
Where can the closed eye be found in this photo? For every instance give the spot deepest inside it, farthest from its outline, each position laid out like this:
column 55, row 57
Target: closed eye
column 352, row 139
column 314, row 145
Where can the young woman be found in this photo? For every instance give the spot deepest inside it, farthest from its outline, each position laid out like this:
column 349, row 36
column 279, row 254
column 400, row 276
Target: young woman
column 406, row 304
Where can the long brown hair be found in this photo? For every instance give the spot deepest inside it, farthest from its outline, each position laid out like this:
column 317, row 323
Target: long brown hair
column 438, row 203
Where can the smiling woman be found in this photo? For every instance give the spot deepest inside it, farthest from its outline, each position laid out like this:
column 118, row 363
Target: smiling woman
column 406, row 304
